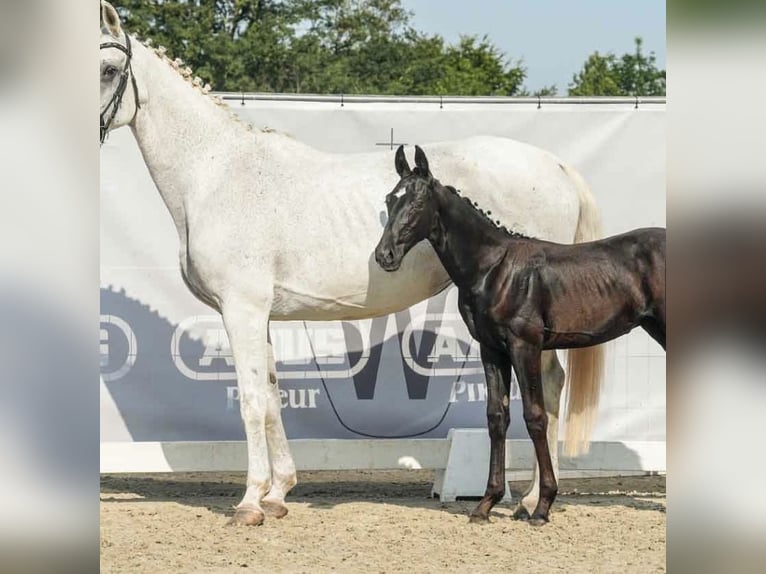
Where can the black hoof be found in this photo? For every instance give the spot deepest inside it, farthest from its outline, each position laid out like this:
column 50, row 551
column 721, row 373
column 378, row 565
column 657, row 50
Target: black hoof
column 478, row 519
column 538, row 521
column 521, row 513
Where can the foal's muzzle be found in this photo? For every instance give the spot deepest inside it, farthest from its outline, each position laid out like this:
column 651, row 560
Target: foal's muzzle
column 387, row 259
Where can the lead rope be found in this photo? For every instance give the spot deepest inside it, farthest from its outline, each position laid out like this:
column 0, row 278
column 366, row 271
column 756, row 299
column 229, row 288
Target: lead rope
column 364, row 434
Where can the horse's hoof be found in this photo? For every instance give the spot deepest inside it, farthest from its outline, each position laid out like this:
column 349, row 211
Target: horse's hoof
column 537, row 521
column 247, row 516
column 521, row 513
column 478, row 519
column 274, row 508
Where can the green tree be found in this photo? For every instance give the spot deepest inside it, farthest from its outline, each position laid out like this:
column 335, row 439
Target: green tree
column 632, row 74
column 233, row 44
column 349, row 46
column 477, row 68
column 320, row 46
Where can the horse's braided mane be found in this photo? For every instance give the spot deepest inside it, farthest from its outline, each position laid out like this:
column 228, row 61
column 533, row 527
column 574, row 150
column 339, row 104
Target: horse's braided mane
column 486, row 215
column 204, row 88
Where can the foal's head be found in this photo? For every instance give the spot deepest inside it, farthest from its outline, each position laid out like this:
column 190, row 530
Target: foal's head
column 411, row 209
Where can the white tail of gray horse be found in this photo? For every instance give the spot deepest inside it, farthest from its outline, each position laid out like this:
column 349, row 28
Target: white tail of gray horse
column 585, row 367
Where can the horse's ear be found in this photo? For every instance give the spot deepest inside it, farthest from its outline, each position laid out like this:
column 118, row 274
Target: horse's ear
column 110, row 19
column 421, row 161
column 402, row 167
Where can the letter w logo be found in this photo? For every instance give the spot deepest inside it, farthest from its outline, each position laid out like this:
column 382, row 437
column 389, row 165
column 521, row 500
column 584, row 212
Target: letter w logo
column 416, row 358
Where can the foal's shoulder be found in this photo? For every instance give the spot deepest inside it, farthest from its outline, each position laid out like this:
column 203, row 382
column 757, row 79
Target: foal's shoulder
column 528, row 248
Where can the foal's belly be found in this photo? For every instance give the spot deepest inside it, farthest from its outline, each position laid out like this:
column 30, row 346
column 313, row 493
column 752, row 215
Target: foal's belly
column 586, row 326
column 577, row 339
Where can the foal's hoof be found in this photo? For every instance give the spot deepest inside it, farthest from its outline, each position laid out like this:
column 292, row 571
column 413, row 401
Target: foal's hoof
column 247, row 516
column 537, row 521
column 478, row 519
column 274, row 508
column 521, row 513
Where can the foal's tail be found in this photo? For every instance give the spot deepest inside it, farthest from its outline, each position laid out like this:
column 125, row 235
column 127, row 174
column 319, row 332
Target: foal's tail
column 585, row 367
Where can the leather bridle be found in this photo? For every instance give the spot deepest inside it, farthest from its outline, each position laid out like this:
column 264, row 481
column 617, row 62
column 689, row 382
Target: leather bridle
column 108, row 113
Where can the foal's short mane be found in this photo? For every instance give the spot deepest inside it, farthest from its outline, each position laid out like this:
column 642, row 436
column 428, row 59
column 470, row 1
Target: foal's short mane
column 486, row 215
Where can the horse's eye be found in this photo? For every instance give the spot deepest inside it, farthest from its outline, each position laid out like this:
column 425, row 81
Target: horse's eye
column 109, row 72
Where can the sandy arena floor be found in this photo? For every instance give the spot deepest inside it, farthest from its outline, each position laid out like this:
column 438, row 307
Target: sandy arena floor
column 375, row 521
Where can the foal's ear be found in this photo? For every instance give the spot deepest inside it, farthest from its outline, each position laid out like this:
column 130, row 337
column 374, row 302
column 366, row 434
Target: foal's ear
column 402, row 167
column 421, row 162
column 110, row 19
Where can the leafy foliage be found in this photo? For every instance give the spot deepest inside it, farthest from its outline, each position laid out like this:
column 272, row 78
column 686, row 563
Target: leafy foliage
column 632, row 74
column 320, row 46
column 351, row 47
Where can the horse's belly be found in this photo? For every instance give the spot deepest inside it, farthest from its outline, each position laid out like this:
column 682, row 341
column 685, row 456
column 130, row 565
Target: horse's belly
column 339, row 290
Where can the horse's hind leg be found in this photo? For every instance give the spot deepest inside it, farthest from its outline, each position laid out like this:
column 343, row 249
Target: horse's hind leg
column 553, row 382
column 497, row 368
column 283, row 476
column 526, row 362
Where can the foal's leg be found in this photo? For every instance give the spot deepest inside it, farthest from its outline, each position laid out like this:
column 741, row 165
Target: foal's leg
column 553, row 382
column 246, row 325
column 497, row 368
column 282, row 466
column 526, row 362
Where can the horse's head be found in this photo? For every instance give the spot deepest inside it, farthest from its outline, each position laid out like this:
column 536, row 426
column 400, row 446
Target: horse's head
column 118, row 104
column 411, row 210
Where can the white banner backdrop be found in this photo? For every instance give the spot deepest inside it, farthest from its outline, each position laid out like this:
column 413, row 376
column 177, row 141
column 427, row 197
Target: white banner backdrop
column 167, row 371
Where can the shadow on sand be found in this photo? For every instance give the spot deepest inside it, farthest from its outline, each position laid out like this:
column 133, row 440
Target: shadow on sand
column 219, row 492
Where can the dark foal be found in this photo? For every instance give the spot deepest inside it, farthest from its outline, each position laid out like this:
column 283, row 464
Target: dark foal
column 520, row 296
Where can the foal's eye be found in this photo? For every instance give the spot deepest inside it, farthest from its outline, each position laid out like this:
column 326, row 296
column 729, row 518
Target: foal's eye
column 109, row 72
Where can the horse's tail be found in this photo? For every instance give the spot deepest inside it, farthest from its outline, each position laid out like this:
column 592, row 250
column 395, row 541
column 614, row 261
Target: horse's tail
column 585, row 373
column 589, row 220
column 585, row 367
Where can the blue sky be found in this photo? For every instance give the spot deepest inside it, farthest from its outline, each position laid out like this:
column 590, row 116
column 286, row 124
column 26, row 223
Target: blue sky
column 554, row 37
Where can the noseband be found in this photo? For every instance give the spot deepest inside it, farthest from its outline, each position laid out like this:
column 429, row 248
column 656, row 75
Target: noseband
column 107, row 115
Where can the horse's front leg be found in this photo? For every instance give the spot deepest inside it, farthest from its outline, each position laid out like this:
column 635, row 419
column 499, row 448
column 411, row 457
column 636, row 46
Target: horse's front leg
column 526, row 362
column 553, row 382
column 283, row 476
column 246, row 324
column 497, row 368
